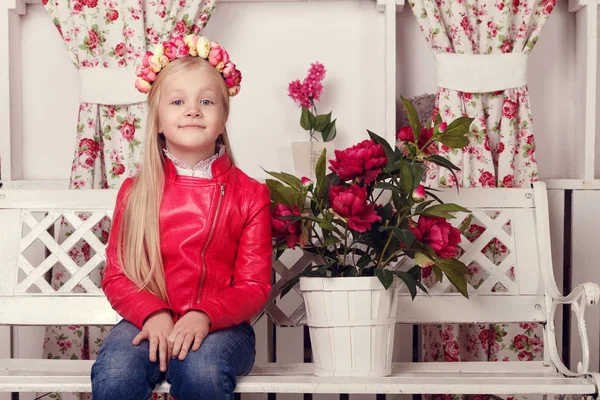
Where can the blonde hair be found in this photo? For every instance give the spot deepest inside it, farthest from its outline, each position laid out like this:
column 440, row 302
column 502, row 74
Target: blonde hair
column 138, row 243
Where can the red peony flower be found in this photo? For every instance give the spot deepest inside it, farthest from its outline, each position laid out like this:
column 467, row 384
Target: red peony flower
column 363, row 160
column 405, row 134
column 351, row 203
column 439, row 234
column 283, row 228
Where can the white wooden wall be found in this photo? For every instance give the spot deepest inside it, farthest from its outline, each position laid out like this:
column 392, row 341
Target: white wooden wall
column 273, row 43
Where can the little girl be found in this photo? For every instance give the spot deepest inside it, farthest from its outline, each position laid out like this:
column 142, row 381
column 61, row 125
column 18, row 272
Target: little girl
column 189, row 254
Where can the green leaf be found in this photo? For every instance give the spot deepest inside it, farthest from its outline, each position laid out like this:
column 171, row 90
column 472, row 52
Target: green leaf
column 289, row 179
column 466, row 223
column 329, row 132
column 322, row 122
column 363, row 261
column 283, row 194
column 307, row 119
column 418, row 170
column 458, row 128
column 331, row 240
column 405, row 236
column 455, row 271
column 454, row 142
column 406, row 178
column 388, row 186
column 409, row 281
column 413, row 117
column 438, row 273
column 438, row 119
column 320, row 172
column 423, row 205
column 442, row 162
column 448, row 207
column 397, row 201
column 386, row 146
column 386, row 277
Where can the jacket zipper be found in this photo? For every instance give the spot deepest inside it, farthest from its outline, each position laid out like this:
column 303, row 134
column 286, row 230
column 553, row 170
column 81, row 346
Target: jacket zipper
column 210, row 235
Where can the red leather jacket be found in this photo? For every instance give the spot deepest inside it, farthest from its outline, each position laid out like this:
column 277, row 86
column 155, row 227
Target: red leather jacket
column 216, row 246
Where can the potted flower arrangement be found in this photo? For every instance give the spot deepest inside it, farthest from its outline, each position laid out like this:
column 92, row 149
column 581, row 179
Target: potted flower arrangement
column 359, row 221
column 307, row 94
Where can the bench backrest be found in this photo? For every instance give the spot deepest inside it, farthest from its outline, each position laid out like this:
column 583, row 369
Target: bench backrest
column 510, row 285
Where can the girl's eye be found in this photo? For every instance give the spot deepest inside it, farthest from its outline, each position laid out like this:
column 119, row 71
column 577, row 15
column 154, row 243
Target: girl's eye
column 206, row 102
column 177, row 102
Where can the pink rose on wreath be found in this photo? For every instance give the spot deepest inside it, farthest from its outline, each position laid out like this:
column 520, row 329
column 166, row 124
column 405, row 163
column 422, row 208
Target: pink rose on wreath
column 437, row 233
column 284, row 228
column 351, row 203
column 170, row 50
column 363, row 161
column 91, row 3
column 218, row 56
column 127, row 131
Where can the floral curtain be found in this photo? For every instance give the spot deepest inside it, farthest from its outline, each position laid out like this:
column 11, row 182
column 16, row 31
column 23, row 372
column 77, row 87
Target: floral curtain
column 106, row 40
column 501, row 152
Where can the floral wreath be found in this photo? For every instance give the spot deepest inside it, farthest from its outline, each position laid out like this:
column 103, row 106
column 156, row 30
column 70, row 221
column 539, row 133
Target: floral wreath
column 179, row 47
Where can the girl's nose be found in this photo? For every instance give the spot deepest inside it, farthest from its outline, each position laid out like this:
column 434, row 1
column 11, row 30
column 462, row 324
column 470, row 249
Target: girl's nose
column 193, row 113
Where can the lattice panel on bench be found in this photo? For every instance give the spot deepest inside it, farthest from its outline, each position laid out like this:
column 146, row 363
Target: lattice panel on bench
column 488, row 249
column 74, row 231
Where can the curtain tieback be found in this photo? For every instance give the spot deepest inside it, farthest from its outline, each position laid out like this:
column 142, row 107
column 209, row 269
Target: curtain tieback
column 110, row 86
column 481, row 73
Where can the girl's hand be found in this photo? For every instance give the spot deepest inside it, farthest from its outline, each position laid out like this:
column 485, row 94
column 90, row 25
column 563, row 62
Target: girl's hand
column 156, row 329
column 191, row 328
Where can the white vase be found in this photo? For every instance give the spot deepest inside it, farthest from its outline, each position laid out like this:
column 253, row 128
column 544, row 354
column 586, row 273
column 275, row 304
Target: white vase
column 351, row 323
column 306, row 154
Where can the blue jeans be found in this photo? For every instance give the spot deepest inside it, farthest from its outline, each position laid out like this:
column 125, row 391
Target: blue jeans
column 124, row 371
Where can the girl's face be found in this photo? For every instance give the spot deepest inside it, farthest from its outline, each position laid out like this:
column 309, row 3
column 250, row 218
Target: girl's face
column 191, row 113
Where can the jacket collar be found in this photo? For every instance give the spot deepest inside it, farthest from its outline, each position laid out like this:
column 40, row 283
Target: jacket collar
column 219, row 168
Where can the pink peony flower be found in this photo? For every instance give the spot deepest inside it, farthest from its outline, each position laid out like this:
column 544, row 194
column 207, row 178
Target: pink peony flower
column 283, row 228
column 437, row 233
column 351, row 203
column 364, row 161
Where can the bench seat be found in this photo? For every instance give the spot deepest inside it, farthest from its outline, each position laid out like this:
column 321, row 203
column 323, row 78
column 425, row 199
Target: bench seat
column 501, row 378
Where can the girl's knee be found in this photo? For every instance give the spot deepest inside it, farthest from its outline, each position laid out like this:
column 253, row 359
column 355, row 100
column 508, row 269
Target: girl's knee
column 209, row 379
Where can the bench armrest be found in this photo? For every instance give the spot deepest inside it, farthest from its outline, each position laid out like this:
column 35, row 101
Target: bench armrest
column 582, row 296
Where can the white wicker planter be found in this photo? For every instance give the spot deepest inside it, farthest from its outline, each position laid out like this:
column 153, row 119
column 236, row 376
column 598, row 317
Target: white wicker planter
column 351, row 323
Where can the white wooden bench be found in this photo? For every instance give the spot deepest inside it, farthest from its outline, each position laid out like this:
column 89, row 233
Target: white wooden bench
column 26, row 298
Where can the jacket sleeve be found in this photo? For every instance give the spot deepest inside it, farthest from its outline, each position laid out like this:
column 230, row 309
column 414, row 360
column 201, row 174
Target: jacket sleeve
column 252, row 276
column 125, row 297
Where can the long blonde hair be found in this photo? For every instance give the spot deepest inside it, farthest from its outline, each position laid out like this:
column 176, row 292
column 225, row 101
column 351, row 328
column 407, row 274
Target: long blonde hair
column 138, row 243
